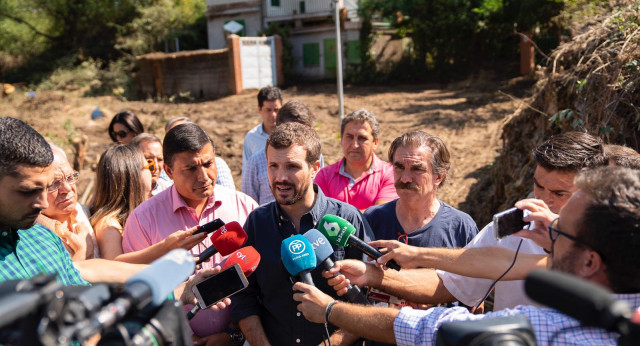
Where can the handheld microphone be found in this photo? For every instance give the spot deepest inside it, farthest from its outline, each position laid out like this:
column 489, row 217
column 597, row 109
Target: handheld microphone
column 149, row 287
column 225, row 240
column 590, row 304
column 247, row 258
column 210, row 227
column 323, row 251
column 340, row 232
column 298, row 257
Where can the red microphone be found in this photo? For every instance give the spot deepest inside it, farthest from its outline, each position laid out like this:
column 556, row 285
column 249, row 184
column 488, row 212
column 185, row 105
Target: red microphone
column 247, row 258
column 225, row 240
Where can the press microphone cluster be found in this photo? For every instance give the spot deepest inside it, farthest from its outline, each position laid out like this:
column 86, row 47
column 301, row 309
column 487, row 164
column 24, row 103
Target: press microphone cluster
column 226, row 239
column 341, row 232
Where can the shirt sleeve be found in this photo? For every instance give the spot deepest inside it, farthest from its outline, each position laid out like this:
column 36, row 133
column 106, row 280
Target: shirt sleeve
column 250, row 180
column 468, row 290
column 135, row 237
column 224, row 174
column 387, row 190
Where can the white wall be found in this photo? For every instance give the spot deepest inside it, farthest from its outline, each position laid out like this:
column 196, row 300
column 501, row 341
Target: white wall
column 218, row 37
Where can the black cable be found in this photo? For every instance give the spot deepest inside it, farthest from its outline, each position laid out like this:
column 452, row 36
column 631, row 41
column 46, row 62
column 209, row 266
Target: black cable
column 501, row 276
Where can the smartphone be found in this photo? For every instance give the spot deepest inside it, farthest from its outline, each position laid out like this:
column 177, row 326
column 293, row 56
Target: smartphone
column 508, row 222
column 222, row 285
column 210, row 227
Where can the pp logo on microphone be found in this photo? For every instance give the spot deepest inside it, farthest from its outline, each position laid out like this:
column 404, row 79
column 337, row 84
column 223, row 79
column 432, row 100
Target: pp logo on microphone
column 296, row 247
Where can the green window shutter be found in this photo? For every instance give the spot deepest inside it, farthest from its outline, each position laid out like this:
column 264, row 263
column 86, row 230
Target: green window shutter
column 353, row 52
column 275, row 3
column 303, row 7
column 311, row 54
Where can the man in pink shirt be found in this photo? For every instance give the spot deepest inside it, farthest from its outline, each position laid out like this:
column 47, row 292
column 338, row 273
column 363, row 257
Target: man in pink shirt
column 194, row 199
column 360, row 178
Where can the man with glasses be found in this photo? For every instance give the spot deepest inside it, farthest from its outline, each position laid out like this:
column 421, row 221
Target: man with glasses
column 596, row 237
column 67, row 218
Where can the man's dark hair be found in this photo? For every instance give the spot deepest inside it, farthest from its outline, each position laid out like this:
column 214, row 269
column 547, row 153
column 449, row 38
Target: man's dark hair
column 295, row 111
column 184, row 137
column 129, row 120
column 570, row 151
column 440, row 157
column 619, row 155
column 611, row 223
column 292, row 133
column 20, row 144
column 269, row 93
column 361, row 116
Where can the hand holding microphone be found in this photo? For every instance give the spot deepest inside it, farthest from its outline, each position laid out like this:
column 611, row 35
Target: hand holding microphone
column 340, row 232
column 225, row 240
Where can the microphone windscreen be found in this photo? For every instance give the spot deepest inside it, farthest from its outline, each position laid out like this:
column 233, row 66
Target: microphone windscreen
column 590, row 304
column 297, row 254
column 229, row 238
column 247, row 257
column 336, row 229
column 320, row 244
column 165, row 274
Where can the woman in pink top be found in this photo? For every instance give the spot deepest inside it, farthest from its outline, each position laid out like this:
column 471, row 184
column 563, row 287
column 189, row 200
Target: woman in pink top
column 123, row 182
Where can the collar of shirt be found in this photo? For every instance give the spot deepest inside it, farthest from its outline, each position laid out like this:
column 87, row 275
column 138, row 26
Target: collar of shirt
column 177, row 201
column 376, row 165
column 316, row 213
column 10, row 237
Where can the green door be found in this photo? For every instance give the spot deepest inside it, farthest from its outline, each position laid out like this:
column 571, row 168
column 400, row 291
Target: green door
column 330, row 58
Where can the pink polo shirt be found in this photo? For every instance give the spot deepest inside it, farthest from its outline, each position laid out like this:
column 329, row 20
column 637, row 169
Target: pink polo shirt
column 167, row 212
column 375, row 185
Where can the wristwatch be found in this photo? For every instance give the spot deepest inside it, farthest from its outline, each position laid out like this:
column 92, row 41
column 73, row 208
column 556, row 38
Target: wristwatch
column 236, row 336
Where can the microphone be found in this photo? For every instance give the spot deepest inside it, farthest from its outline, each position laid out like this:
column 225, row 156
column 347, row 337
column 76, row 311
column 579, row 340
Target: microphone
column 149, row 287
column 247, row 258
column 323, row 251
column 225, row 240
column 298, row 257
column 210, row 227
column 340, row 232
column 590, row 304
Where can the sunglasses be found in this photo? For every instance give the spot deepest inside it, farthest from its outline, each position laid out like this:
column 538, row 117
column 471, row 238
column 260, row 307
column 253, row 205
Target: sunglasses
column 151, row 166
column 120, row 134
column 69, row 179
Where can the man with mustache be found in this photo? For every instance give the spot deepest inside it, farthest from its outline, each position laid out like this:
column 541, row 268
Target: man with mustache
column 265, row 311
column 420, row 165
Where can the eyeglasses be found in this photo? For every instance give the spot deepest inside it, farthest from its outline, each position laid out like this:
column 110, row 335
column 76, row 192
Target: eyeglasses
column 555, row 233
column 120, row 134
column 151, row 165
column 69, row 179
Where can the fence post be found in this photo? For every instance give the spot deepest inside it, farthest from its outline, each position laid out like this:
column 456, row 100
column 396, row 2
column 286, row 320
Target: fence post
column 278, row 56
column 235, row 67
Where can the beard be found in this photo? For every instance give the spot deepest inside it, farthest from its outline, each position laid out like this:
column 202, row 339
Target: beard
column 296, row 193
column 565, row 263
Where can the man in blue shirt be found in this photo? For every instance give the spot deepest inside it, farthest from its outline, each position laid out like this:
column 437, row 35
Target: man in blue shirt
column 596, row 237
column 269, row 103
column 265, row 310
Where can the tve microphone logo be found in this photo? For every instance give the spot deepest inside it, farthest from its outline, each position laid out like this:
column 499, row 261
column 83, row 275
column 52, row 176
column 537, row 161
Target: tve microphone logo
column 296, row 247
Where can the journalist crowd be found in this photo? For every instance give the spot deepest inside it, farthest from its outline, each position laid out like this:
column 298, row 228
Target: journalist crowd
column 358, row 251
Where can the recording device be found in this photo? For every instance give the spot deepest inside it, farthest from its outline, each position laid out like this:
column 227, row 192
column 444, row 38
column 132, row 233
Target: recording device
column 246, row 258
column 340, row 232
column 222, row 285
column 509, row 222
column 298, row 257
column 148, row 288
column 590, row 304
column 512, row 331
column 323, row 251
column 210, row 227
column 227, row 239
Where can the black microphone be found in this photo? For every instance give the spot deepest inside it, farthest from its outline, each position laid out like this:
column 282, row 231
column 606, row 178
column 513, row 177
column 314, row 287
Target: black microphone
column 590, row 304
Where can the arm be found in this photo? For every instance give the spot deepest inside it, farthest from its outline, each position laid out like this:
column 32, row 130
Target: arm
column 481, row 262
column 100, row 270
column 370, row 322
column 253, row 331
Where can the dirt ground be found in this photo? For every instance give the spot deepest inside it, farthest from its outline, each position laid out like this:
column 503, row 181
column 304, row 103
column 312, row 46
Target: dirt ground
column 467, row 115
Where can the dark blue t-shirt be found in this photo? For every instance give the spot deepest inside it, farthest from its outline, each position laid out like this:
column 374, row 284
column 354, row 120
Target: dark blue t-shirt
column 450, row 227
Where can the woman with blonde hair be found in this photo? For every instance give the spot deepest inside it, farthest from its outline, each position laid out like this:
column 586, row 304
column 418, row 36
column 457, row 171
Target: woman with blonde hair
column 124, row 182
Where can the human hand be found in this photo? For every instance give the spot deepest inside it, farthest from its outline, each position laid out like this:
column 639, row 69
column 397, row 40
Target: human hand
column 188, row 297
column 218, row 339
column 405, row 255
column 312, row 301
column 348, row 272
column 183, row 239
column 540, row 217
column 82, row 237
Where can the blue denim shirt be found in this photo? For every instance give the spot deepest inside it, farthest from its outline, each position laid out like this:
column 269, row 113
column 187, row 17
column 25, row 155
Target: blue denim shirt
column 270, row 293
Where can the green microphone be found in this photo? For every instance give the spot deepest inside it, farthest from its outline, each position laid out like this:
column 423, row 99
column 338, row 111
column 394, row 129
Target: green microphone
column 340, row 232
